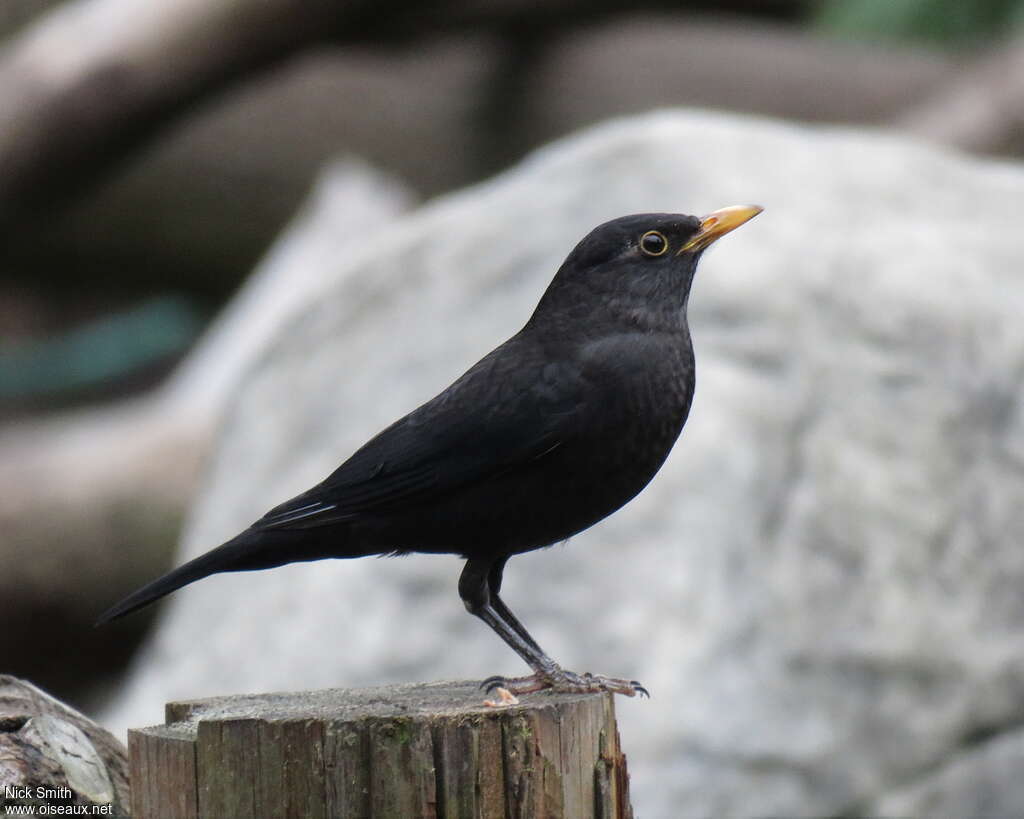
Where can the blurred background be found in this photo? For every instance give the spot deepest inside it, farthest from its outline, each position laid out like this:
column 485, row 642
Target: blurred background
column 150, row 153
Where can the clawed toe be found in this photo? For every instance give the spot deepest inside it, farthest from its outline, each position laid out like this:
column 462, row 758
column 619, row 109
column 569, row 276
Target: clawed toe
column 508, row 683
column 628, row 688
column 517, row 685
column 564, row 682
column 491, row 683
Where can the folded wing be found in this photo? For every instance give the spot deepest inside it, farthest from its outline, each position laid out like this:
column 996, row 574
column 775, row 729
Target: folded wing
column 511, row 408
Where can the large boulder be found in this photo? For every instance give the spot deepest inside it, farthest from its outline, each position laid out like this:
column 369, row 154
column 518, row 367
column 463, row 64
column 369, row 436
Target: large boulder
column 821, row 588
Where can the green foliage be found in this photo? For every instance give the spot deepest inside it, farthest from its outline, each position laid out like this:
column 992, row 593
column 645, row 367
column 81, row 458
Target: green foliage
column 951, row 22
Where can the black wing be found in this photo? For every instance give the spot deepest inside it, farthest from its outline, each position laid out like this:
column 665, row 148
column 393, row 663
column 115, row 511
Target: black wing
column 512, row 407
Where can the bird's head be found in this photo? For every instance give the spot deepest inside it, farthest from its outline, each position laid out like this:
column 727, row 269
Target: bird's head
column 637, row 264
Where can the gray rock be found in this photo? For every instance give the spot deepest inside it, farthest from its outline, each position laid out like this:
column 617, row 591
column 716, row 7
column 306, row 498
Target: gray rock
column 822, row 586
column 983, row 782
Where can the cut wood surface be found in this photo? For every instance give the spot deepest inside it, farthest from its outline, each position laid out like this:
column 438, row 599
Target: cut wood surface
column 421, row 750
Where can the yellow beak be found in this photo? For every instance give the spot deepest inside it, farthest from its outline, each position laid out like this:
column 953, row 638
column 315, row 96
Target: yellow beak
column 715, row 225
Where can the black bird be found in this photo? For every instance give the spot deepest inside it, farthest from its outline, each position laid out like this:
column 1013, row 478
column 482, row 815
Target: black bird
column 551, row 432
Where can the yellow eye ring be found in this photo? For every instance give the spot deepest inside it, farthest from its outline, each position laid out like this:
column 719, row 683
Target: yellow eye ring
column 653, row 243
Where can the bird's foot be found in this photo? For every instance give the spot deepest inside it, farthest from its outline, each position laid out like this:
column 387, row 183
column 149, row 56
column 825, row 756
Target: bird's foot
column 561, row 681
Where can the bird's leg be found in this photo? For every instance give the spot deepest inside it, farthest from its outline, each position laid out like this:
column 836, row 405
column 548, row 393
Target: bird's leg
column 478, row 587
column 494, row 586
column 475, row 591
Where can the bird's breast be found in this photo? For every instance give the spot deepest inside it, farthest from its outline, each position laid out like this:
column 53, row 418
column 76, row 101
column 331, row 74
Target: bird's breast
column 637, row 403
column 631, row 397
column 641, row 401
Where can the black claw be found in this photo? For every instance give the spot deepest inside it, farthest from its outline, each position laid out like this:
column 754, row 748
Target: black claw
column 491, row 683
column 643, row 692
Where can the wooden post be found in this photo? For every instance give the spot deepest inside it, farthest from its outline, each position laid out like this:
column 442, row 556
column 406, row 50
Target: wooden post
column 411, row 751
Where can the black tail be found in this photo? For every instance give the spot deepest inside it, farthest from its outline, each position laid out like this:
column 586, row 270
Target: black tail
column 250, row 550
column 221, row 559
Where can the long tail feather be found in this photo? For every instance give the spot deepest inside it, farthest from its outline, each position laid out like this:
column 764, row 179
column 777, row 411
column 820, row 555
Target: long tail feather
column 251, row 550
column 222, row 559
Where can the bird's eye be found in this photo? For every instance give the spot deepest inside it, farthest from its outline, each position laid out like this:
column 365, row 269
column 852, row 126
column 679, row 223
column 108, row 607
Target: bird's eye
column 653, row 243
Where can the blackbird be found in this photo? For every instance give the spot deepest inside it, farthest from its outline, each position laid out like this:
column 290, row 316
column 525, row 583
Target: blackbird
column 546, row 435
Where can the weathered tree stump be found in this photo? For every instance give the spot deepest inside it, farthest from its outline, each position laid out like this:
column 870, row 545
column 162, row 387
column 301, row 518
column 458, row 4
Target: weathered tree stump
column 427, row 750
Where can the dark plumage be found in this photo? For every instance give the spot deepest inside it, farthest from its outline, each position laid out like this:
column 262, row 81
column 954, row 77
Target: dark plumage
column 546, row 435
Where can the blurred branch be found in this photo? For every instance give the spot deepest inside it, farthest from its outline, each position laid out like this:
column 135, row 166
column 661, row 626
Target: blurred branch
column 982, row 109
column 93, row 77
